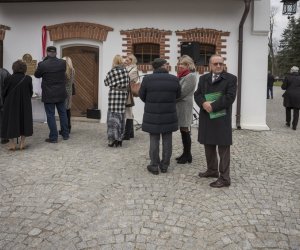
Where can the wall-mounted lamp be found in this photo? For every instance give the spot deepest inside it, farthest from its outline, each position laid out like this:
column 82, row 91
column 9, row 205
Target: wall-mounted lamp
column 289, row 7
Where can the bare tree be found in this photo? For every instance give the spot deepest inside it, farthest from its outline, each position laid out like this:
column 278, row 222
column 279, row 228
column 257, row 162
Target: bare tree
column 272, row 44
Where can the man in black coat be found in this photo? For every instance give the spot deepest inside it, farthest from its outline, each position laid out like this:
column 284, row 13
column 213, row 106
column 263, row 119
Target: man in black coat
column 3, row 75
column 215, row 94
column 270, row 83
column 159, row 91
column 291, row 85
column 53, row 72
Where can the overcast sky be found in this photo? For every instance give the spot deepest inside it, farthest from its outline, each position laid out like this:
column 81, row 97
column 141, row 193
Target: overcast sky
column 281, row 21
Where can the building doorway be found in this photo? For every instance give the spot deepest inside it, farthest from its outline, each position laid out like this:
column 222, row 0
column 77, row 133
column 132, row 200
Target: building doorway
column 86, row 64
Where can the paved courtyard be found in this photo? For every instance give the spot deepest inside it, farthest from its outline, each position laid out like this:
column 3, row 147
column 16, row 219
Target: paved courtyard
column 81, row 194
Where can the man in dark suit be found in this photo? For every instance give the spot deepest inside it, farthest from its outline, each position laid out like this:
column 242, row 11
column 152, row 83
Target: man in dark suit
column 215, row 94
column 53, row 72
column 159, row 91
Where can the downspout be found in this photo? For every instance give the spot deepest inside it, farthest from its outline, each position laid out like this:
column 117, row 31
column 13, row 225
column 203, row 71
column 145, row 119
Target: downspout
column 240, row 62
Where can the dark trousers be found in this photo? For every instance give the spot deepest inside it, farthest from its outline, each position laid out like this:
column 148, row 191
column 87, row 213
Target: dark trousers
column 212, row 160
column 288, row 112
column 166, row 149
column 269, row 92
column 69, row 119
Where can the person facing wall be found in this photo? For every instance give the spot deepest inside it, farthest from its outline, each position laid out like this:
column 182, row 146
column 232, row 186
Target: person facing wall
column 17, row 109
column 70, row 78
column 52, row 70
column 3, row 75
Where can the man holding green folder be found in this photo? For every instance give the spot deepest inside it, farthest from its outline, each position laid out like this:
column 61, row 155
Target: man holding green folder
column 215, row 94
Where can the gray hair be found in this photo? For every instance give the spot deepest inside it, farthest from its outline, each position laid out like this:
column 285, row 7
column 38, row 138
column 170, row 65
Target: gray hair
column 294, row 69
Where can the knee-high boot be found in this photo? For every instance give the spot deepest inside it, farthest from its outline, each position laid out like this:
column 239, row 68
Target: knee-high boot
column 182, row 139
column 131, row 131
column 126, row 135
column 187, row 143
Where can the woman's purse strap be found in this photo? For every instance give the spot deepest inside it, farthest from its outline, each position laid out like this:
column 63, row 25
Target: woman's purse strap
column 15, row 87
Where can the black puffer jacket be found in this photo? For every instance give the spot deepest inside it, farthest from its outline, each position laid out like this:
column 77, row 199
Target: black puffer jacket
column 159, row 91
column 292, row 94
column 53, row 72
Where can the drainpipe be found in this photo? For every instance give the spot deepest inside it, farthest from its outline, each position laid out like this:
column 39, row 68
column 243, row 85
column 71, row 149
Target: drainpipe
column 240, row 63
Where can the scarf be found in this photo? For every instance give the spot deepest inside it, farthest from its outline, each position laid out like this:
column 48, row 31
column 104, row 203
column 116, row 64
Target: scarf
column 183, row 73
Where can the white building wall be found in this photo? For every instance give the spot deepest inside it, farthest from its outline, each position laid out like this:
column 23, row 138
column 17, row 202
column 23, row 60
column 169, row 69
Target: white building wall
column 27, row 19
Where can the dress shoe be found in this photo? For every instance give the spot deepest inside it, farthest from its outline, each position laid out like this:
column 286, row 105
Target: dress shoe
column 153, row 169
column 219, row 183
column 287, row 124
column 294, row 127
column 207, row 175
column 50, row 141
column 163, row 169
column 66, row 138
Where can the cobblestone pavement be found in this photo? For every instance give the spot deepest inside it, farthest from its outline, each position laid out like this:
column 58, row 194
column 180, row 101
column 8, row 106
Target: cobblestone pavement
column 81, row 194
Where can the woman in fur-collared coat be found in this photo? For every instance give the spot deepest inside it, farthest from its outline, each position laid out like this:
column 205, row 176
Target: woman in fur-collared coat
column 188, row 80
column 133, row 72
column 117, row 79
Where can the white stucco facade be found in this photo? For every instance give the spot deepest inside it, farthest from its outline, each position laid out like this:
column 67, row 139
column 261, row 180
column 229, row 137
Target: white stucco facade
column 26, row 21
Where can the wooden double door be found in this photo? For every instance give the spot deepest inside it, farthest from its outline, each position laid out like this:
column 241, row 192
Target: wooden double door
column 86, row 64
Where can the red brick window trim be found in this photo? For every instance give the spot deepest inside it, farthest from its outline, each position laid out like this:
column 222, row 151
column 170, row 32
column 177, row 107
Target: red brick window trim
column 146, row 36
column 81, row 30
column 204, row 36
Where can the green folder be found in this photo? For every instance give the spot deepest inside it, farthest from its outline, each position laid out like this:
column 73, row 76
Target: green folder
column 211, row 97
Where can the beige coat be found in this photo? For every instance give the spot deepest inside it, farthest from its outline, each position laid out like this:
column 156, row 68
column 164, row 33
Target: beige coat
column 134, row 77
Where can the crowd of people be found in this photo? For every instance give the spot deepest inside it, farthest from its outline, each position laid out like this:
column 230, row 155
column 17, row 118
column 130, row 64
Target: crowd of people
column 16, row 93
column 168, row 107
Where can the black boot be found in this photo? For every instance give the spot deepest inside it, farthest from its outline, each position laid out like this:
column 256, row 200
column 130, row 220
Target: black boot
column 131, row 133
column 182, row 139
column 187, row 156
column 126, row 135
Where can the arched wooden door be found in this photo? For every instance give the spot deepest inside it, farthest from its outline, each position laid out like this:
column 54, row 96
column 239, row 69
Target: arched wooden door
column 86, row 64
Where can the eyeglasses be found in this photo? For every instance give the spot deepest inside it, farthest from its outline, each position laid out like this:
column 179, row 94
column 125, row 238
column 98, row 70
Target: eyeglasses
column 218, row 63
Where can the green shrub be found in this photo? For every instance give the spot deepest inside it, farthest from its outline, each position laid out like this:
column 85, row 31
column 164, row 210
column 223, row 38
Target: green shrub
column 278, row 83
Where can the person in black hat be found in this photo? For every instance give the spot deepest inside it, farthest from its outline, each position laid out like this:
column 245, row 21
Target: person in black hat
column 53, row 72
column 159, row 91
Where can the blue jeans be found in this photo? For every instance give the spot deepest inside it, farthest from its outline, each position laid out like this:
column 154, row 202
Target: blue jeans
column 50, row 112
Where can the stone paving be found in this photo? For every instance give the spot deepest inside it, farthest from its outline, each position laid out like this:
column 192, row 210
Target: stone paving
column 81, row 194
